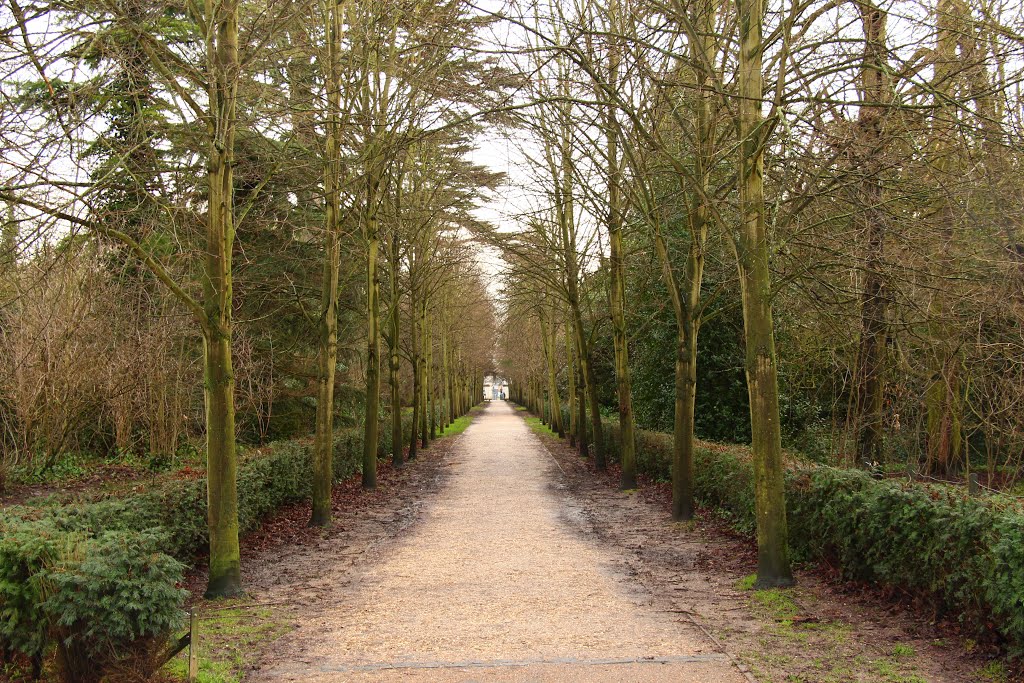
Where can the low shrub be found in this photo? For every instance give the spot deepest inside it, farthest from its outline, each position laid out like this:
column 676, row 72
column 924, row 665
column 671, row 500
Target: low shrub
column 102, row 602
column 964, row 555
column 97, row 581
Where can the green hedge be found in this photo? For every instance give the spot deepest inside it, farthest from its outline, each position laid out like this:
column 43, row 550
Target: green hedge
column 103, row 574
column 965, row 555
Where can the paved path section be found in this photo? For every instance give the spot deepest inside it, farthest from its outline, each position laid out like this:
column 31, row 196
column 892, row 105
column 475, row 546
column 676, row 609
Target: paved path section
column 494, row 583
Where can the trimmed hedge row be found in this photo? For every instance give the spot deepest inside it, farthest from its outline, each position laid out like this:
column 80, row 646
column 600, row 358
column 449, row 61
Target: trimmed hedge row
column 98, row 580
column 964, row 555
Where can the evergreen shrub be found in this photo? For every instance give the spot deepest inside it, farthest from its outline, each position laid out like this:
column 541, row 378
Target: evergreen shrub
column 964, row 555
column 98, row 581
column 101, row 601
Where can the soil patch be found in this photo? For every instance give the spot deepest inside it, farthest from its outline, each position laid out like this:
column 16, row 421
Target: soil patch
column 820, row 631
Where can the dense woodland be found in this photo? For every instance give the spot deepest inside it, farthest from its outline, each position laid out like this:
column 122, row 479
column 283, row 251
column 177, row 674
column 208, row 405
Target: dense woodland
column 796, row 225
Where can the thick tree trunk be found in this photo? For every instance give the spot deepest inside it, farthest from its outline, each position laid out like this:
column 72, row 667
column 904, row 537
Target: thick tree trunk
column 874, row 328
column 944, row 396
column 751, row 244
column 327, row 351
column 327, row 360
column 682, row 428
column 219, row 387
column 222, row 492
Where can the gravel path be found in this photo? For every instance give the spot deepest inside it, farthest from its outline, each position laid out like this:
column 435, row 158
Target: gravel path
column 494, row 582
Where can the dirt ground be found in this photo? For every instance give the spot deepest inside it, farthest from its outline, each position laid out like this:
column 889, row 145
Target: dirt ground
column 500, row 556
column 818, row 631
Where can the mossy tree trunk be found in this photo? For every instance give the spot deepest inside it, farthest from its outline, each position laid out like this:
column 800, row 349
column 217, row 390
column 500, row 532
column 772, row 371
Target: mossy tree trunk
column 327, row 349
column 617, row 269
column 417, row 378
column 372, row 422
column 751, row 243
column 219, row 387
column 421, row 364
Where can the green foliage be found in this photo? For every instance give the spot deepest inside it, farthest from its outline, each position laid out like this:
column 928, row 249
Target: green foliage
column 37, row 471
column 100, row 599
column 965, row 555
column 112, row 591
column 101, row 576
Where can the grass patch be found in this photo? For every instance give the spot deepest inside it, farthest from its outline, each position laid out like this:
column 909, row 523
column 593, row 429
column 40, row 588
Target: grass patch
column 993, row 672
column 746, row 583
column 901, row 651
column 888, row 670
column 457, row 427
column 539, row 427
column 775, row 604
column 209, row 671
column 228, row 637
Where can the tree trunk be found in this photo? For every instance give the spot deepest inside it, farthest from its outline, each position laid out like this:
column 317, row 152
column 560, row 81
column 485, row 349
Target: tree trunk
column 682, row 428
column 590, row 384
column 372, row 424
column 554, row 401
column 570, row 366
column 582, row 441
column 874, row 329
column 943, row 398
column 446, row 398
column 431, row 381
column 755, row 287
column 424, row 435
column 617, row 265
column 327, row 351
column 397, row 444
column 219, row 388
column 222, row 492
column 417, row 380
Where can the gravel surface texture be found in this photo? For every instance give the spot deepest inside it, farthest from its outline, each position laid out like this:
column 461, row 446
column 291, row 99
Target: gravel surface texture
column 491, row 581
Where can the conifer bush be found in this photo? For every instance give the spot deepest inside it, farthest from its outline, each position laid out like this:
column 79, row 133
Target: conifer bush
column 964, row 555
column 101, row 601
column 98, row 583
